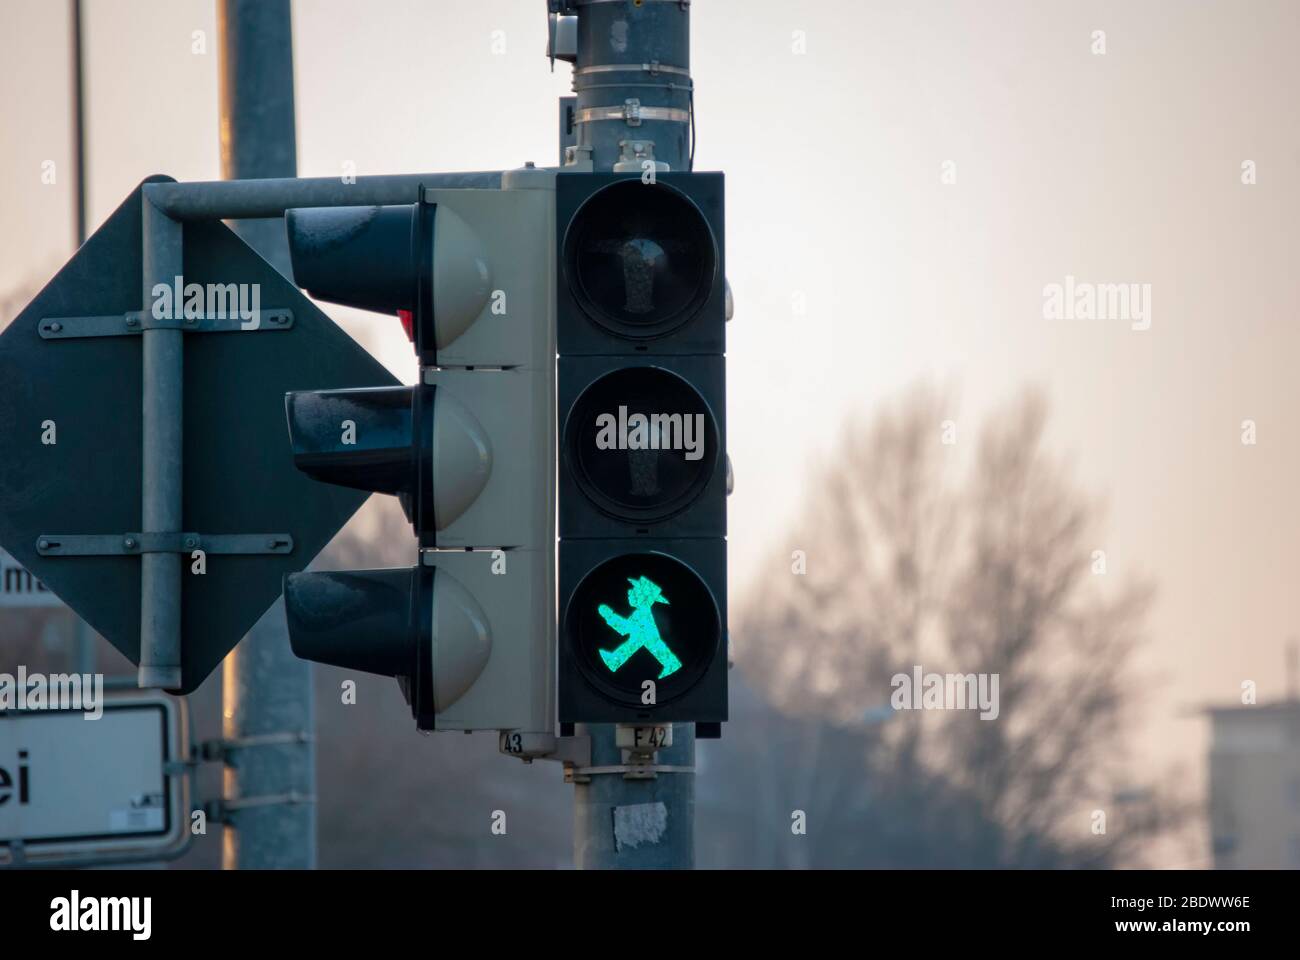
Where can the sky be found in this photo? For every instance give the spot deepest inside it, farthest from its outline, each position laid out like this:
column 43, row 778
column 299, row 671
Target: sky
column 903, row 180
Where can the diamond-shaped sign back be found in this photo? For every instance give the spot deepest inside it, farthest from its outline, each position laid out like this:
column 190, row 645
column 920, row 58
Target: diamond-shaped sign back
column 85, row 395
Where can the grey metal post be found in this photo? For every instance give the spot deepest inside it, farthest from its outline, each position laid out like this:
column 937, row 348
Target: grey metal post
column 163, row 396
column 270, row 776
column 258, row 133
column 632, row 77
column 78, row 120
column 269, row 782
column 623, row 824
column 83, row 638
column 620, row 823
column 238, row 199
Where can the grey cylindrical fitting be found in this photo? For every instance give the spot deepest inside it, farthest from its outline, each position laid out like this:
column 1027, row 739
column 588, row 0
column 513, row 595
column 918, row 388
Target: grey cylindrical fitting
column 632, row 78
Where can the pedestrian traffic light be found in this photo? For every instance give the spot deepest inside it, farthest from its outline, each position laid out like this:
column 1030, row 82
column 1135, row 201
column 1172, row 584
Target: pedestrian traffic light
column 469, row 451
column 640, row 313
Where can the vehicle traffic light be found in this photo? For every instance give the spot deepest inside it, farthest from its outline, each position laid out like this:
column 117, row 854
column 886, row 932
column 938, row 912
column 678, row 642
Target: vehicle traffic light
column 469, row 451
column 641, row 407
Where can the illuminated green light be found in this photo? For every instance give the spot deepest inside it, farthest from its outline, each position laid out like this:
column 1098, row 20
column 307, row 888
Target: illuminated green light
column 639, row 628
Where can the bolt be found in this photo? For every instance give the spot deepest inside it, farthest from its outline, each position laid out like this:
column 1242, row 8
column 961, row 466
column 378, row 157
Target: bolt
column 129, row 543
column 132, row 322
column 191, row 542
column 55, row 327
column 272, row 544
column 42, row 544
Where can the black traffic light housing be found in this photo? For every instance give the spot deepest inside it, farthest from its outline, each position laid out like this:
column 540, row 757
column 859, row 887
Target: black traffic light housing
column 641, row 421
column 640, row 263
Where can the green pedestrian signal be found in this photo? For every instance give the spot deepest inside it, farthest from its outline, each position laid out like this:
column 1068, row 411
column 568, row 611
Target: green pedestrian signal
column 639, row 628
column 643, row 628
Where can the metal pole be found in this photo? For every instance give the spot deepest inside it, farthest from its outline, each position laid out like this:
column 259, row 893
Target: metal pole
column 623, row 824
column 620, row 823
column 83, row 639
column 270, row 777
column 239, row 199
column 78, row 121
column 258, row 134
column 164, row 398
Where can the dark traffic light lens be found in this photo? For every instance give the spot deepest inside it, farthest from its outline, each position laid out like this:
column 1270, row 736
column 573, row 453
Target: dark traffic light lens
column 643, row 617
column 642, row 443
column 639, row 258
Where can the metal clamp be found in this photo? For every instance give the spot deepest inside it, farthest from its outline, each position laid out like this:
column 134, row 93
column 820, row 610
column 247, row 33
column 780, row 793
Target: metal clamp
column 223, row 811
column 654, row 68
column 138, row 321
column 632, row 113
column 629, row 771
column 219, row 750
column 134, row 544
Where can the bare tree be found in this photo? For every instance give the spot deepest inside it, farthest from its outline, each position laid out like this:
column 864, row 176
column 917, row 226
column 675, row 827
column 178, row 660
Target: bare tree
column 914, row 557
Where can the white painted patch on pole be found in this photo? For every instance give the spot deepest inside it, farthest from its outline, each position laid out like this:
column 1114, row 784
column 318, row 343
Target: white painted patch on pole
column 639, row 825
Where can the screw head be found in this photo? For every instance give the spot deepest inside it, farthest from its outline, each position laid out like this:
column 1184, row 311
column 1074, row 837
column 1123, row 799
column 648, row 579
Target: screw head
column 132, row 322
column 42, row 544
column 190, row 542
column 129, row 543
column 55, row 327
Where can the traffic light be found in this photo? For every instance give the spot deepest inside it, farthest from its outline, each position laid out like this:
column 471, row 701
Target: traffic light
column 469, row 451
column 641, row 416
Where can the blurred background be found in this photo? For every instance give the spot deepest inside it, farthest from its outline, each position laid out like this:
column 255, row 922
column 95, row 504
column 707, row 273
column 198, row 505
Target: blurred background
column 928, row 470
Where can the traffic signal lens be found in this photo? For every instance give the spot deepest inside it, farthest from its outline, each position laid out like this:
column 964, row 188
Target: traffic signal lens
column 640, row 258
column 643, row 617
column 642, row 443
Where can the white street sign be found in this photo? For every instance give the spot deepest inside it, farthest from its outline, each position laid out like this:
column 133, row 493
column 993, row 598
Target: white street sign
column 75, row 789
column 18, row 588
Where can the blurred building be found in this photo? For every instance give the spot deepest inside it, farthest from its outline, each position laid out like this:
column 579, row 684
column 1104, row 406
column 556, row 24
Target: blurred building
column 1255, row 785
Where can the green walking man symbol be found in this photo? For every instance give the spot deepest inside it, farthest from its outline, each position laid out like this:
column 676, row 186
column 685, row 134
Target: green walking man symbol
column 639, row 628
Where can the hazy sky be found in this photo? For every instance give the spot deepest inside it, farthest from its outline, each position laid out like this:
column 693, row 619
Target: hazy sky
column 835, row 123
